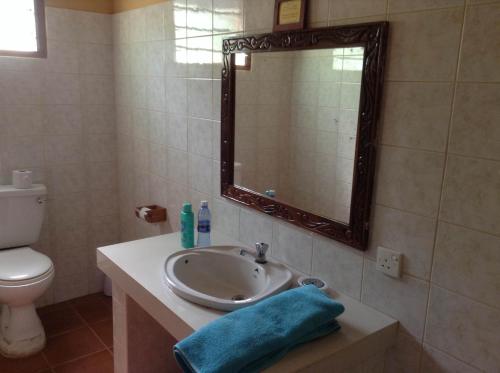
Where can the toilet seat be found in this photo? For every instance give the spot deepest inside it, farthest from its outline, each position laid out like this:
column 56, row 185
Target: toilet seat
column 31, row 281
column 23, row 266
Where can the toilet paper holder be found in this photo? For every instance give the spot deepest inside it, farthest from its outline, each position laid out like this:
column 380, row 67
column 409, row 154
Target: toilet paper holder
column 151, row 213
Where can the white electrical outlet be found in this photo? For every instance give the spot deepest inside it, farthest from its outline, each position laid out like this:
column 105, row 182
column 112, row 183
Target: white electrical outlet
column 389, row 261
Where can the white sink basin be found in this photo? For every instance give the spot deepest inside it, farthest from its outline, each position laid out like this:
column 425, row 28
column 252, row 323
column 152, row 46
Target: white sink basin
column 219, row 277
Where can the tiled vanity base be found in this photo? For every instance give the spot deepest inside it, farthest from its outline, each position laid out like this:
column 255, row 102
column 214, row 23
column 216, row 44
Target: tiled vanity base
column 149, row 318
column 141, row 345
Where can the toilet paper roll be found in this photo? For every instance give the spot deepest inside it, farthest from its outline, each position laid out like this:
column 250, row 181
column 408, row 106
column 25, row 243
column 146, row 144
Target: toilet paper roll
column 143, row 212
column 22, row 179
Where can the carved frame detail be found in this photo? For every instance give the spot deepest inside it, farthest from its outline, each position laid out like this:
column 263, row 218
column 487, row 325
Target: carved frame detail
column 371, row 36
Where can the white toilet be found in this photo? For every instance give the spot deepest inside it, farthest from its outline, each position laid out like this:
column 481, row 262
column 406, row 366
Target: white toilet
column 24, row 273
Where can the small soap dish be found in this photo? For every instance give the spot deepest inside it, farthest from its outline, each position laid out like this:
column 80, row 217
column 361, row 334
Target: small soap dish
column 151, row 213
column 320, row 284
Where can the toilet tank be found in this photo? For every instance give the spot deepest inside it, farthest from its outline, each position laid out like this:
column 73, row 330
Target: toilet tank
column 21, row 215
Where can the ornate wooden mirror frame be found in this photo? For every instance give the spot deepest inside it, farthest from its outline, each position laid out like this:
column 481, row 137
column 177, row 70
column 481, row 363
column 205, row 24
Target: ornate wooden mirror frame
column 371, row 36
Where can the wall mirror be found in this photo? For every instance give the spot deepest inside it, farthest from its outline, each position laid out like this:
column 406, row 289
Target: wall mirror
column 299, row 118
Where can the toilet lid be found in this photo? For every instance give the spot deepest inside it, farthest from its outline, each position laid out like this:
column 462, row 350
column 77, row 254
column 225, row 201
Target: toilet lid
column 22, row 264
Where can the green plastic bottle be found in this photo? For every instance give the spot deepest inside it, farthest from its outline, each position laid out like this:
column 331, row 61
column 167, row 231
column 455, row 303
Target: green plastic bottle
column 187, row 226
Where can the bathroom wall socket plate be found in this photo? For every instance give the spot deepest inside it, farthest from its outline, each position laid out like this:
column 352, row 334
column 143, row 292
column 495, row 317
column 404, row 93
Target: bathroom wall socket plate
column 389, row 261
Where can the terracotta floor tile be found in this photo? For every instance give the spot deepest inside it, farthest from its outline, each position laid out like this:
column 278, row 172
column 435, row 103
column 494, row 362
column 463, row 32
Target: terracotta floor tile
column 32, row 364
column 99, row 297
column 60, row 321
column 104, row 329
column 72, row 345
column 108, row 300
column 53, row 307
column 102, row 362
column 94, row 309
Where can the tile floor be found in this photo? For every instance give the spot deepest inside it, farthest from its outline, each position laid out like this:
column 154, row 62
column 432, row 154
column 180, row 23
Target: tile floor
column 79, row 339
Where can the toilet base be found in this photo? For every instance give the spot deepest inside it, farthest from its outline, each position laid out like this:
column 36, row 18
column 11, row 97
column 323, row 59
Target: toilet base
column 21, row 331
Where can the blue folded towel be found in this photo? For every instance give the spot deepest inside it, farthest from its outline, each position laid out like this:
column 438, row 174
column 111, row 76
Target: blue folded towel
column 255, row 337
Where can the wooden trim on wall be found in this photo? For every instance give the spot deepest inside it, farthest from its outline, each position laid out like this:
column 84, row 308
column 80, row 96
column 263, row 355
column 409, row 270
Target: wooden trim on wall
column 96, row 6
column 124, row 5
column 101, row 6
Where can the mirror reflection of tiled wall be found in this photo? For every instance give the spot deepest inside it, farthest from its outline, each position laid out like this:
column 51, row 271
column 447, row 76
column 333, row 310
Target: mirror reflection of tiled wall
column 296, row 122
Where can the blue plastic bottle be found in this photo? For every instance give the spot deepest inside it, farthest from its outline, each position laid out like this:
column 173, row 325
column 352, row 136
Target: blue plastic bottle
column 187, row 226
column 203, row 225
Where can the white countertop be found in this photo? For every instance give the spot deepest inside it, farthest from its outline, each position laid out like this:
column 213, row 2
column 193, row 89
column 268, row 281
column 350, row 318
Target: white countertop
column 137, row 268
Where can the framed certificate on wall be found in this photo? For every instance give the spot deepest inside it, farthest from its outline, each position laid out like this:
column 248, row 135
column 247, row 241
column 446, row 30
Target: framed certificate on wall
column 289, row 15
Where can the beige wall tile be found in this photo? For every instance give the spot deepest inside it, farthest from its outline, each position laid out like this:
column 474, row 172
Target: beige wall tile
column 137, row 24
column 409, row 180
column 216, row 179
column 228, row 16
column 338, row 265
column 63, row 150
column 199, row 57
column 417, row 115
column 177, row 166
column 64, row 180
column 62, row 24
column 464, row 329
column 199, row 18
column 258, row 15
column 94, row 28
column 317, row 11
column 470, row 194
column 356, row 8
column 69, row 287
column 60, row 89
column 226, row 217
column 424, row 46
column 200, row 137
column 155, row 21
column 64, row 57
column 28, row 120
column 475, row 131
column 480, row 55
column 396, row 6
column 475, row 2
column 468, row 262
column 255, row 227
column 410, row 234
column 357, row 20
column 292, row 246
column 200, row 98
column 200, row 173
column 30, row 157
column 435, row 361
column 177, row 195
column 404, row 298
column 176, row 19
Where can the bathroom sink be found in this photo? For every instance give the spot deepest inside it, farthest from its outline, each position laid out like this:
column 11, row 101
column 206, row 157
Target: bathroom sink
column 220, row 277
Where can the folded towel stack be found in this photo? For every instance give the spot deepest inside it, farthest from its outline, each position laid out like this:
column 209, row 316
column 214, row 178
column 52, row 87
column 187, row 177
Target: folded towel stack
column 253, row 338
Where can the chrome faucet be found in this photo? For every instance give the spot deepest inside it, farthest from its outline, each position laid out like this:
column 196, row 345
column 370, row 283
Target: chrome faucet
column 261, row 249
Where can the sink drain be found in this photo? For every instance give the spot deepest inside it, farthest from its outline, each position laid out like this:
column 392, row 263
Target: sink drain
column 238, row 297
